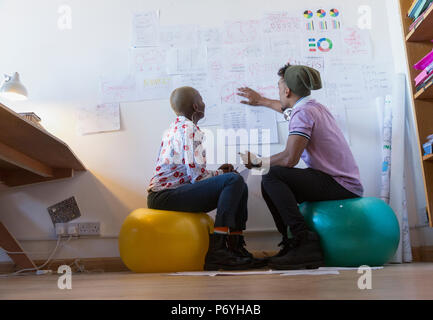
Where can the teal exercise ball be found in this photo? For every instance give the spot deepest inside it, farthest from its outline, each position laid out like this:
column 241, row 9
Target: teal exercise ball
column 354, row 232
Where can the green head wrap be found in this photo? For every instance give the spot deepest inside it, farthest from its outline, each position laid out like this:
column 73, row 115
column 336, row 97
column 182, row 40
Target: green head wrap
column 302, row 79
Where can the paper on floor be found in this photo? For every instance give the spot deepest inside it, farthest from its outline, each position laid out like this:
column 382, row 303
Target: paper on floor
column 227, row 273
column 258, row 272
column 195, row 273
column 345, row 268
column 308, row 272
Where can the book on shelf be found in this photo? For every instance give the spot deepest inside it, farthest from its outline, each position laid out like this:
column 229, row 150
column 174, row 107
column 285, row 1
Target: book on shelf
column 424, row 62
column 425, row 83
column 424, row 74
column 416, row 22
column 412, row 7
column 427, row 146
column 415, row 6
column 421, row 8
column 418, row 7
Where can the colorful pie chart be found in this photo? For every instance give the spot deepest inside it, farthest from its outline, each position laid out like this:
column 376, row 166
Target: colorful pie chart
column 308, row 14
column 321, row 13
column 334, row 12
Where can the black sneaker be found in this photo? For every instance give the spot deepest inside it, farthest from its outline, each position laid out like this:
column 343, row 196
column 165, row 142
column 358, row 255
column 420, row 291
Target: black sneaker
column 220, row 257
column 236, row 244
column 305, row 253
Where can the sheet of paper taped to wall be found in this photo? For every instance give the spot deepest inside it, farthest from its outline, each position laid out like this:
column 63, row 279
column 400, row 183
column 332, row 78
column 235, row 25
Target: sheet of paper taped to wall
column 150, row 60
column 98, row 118
column 156, row 87
column 186, row 60
column 179, row 36
column 145, row 26
column 118, row 89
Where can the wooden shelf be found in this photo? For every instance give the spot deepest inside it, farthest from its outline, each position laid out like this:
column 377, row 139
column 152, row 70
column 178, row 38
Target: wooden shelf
column 418, row 44
column 426, row 92
column 428, row 157
column 424, row 30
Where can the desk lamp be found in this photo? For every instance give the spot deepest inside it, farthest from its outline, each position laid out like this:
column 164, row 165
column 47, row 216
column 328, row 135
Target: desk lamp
column 12, row 88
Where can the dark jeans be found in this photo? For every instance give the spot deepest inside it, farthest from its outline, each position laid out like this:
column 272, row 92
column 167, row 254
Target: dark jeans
column 283, row 188
column 228, row 193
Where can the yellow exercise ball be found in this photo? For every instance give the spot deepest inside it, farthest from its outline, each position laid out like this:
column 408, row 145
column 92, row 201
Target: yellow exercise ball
column 164, row 241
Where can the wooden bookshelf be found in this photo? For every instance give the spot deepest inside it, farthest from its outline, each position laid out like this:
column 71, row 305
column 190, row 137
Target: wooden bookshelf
column 418, row 44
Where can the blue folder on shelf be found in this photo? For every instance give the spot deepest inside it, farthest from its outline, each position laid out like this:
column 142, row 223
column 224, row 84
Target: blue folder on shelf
column 419, row 8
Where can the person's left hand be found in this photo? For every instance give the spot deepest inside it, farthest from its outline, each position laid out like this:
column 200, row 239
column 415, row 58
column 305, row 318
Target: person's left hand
column 227, row 167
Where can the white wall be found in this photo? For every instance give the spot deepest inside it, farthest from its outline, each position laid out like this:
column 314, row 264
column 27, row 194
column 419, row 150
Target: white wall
column 61, row 70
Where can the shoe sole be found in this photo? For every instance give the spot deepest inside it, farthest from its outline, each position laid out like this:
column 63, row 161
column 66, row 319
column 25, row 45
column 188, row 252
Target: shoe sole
column 307, row 265
column 258, row 265
column 216, row 267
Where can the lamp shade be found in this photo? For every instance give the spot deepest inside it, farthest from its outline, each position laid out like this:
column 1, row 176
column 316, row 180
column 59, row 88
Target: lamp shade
column 13, row 89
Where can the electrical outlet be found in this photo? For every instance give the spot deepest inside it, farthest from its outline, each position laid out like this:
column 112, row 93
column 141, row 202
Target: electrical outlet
column 72, row 229
column 60, row 229
column 89, row 228
column 77, row 229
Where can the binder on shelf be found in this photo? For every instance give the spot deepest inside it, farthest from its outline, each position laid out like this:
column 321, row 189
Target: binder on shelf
column 426, row 83
column 424, row 74
column 416, row 22
column 424, row 62
column 415, row 7
column 412, row 7
column 419, row 8
column 427, row 146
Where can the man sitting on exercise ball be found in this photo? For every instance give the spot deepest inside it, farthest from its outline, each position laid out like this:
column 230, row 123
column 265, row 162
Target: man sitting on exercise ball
column 332, row 172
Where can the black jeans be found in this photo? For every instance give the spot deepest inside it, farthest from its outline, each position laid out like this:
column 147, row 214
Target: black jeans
column 283, row 188
column 228, row 193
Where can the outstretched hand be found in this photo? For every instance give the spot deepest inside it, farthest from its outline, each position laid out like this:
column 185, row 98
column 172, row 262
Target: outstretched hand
column 254, row 98
column 250, row 160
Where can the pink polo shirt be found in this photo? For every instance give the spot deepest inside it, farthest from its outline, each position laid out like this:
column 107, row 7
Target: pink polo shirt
column 327, row 150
